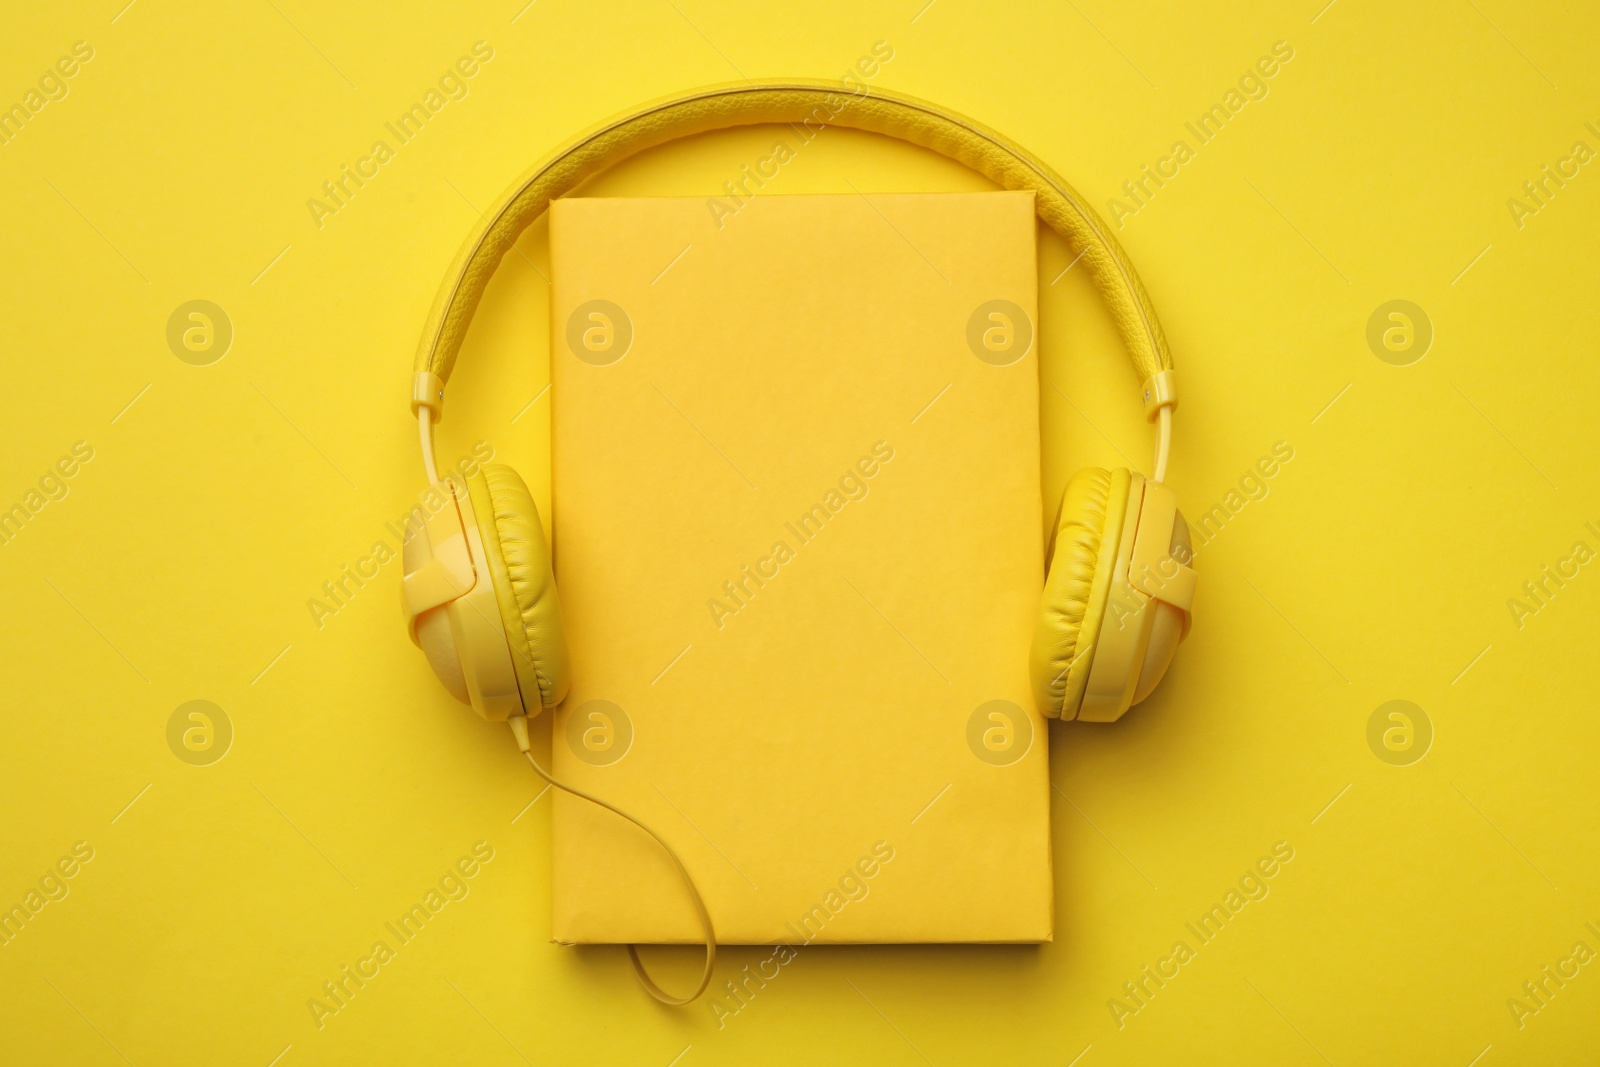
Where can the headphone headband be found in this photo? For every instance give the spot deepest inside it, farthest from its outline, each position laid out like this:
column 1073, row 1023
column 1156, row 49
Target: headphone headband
column 814, row 104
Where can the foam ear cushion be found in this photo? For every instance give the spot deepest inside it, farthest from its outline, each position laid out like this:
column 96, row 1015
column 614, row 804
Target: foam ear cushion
column 525, row 586
column 1076, row 588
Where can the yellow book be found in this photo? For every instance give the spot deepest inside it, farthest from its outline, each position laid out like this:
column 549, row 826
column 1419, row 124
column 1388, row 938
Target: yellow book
column 797, row 532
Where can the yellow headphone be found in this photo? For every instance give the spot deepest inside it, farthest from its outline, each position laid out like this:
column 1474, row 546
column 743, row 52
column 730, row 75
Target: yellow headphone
column 479, row 594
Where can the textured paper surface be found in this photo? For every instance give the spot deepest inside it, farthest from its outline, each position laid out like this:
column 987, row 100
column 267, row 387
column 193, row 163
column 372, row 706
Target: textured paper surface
column 797, row 536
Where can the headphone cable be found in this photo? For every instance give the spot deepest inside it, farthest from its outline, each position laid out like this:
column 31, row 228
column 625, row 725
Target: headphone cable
column 519, row 729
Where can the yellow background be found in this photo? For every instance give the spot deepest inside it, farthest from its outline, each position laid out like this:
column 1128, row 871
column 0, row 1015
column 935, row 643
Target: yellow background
column 1377, row 568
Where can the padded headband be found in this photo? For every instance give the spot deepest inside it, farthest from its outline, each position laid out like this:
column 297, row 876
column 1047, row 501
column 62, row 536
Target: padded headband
column 814, row 104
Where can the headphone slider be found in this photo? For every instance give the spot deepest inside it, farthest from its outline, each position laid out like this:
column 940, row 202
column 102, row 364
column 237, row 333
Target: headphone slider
column 1160, row 391
column 427, row 391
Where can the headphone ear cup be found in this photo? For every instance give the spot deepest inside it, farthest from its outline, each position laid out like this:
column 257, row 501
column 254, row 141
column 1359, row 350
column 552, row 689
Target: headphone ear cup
column 524, row 584
column 1077, row 586
column 1170, row 625
column 439, row 645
